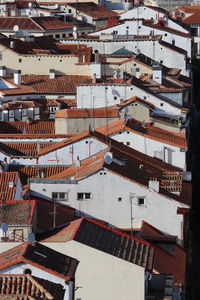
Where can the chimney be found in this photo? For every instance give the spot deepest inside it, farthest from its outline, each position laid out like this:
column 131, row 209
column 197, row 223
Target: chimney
column 154, row 185
column 94, row 78
column 137, row 73
column 52, row 74
column 157, row 73
column 17, row 77
column 96, row 56
column 2, row 71
column 12, row 44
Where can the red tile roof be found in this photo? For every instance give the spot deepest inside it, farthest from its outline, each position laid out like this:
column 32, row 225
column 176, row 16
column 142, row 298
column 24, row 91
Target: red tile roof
column 190, row 9
column 20, row 104
column 40, row 24
column 8, row 186
column 193, row 19
column 18, row 212
column 107, row 239
column 27, row 287
column 36, row 171
column 62, row 84
column 163, row 27
column 92, row 9
column 28, row 127
column 41, row 257
column 111, row 112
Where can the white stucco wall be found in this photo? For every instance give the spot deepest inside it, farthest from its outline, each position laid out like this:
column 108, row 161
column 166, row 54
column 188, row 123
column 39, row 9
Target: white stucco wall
column 173, row 155
column 96, row 95
column 150, row 48
column 102, row 276
column 68, row 155
column 106, row 188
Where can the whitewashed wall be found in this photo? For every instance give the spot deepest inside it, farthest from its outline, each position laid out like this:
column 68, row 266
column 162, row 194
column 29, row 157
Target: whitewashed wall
column 173, row 155
column 68, row 155
column 96, row 95
column 150, row 48
column 105, row 188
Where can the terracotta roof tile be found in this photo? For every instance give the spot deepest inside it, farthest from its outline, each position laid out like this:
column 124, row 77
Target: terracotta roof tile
column 27, row 172
column 28, row 127
column 50, row 261
column 107, row 239
column 165, row 262
column 8, row 184
column 17, row 212
column 112, row 112
column 189, row 9
column 92, row 9
column 33, row 23
column 59, row 85
column 166, row 28
column 194, row 19
column 27, row 287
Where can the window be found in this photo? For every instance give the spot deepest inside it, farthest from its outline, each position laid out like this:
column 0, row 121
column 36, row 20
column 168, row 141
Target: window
column 115, row 32
column 24, row 111
column 119, row 199
column 115, row 97
column 69, row 11
column 20, row 60
column 57, row 36
column 52, row 109
column 161, row 104
column 128, row 143
column 70, row 34
column 64, row 35
column 165, row 34
column 141, row 201
column 83, row 196
column 62, row 196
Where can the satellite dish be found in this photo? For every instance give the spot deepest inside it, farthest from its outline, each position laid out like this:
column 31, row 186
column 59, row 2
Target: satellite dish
column 30, row 4
column 4, row 227
column 108, row 157
column 31, row 237
column 15, row 28
column 74, row 28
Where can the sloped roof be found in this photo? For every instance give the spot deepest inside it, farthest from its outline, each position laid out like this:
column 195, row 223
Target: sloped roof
column 92, row 9
column 32, row 127
column 35, row 171
column 189, row 9
column 122, row 51
column 59, row 85
column 193, row 19
column 33, row 23
column 165, row 262
column 107, row 239
column 8, row 185
column 27, row 287
column 41, row 257
column 111, row 112
column 17, row 212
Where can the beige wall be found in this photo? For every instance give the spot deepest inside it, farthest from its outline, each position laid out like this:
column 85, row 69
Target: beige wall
column 128, row 66
column 71, row 126
column 137, row 111
column 40, row 64
column 101, row 276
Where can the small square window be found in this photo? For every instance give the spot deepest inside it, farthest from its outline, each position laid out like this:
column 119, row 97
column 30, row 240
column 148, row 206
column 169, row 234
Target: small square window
column 119, row 199
column 64, row 35
column 140, row 201
column 161, row 104
column 128, row 143
column 115, row 98
column 83, row 196
column 55, row 195
column 165, row 34
column 20, row 60
column 161, row 61
column 57, row 36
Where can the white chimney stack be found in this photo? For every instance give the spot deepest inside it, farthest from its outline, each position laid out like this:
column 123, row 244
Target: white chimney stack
column 2, row 71
column 157, row 73
column 52, row 74
column 12, row 44
column 17, row 77
column 96, row 56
